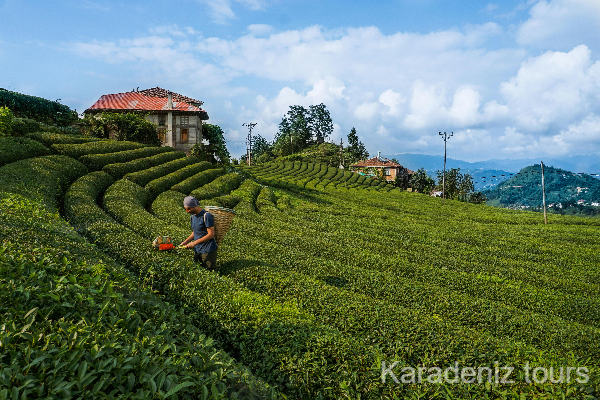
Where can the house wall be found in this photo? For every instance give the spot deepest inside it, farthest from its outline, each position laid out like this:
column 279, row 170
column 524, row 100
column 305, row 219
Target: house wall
column 194, row 127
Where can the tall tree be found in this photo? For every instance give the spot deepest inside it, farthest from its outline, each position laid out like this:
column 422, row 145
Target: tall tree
column 356, row 149
column 216, row 149
column 421, row 182
column 458, row 185
column 320, row 122
column 260, row 147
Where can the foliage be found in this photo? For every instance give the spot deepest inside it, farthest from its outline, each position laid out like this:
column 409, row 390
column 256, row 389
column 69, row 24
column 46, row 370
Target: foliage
column 6, row 121
column 477, row 198
column 165, row 182
column 97, row 161
column 75, row 323
column 129, row 126
column 261, row 150
column 311, row 306
column 421, row 182
column 356, row 150
column 16, row 148
column 77, row 150
column 119, row 170
column 320, row 123
column 48, row 138
column 37, row 108
column 198, row 180
column 524, row 189
column 143, row 177
column 216, row 150
column 457, row 185
column 299, row 126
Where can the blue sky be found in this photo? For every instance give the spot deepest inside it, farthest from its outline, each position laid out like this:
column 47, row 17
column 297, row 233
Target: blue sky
column 511, row 79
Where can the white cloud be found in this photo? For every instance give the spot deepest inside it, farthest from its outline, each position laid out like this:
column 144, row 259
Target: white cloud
column 562, row 24
column 403, row 87
column 553, row 88
column 260, row 29
column 222, row 10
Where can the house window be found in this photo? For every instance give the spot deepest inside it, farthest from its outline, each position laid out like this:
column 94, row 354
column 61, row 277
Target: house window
column 162, row 120
column 183, row 135
column 162, row 134
column 185, row 120
column 387, row 172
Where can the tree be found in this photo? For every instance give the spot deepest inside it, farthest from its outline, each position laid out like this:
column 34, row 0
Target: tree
column 261, row 150
column 421, row 182
column 320, row 123
column 125, row 126
column 299, row 126
column 216, row 149
column 356, row 149
column 458, row 185
column 477, row 198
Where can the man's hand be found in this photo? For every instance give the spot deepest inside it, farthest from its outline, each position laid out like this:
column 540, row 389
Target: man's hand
column 190, row 245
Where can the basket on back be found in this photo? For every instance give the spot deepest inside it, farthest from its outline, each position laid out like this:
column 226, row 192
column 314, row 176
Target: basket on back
column 223, row 218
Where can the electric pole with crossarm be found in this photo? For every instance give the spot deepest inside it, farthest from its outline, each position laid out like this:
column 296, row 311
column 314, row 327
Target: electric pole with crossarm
column 446, row 137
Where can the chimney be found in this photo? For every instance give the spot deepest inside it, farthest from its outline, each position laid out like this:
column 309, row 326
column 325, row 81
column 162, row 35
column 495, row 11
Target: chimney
column 378, row 155
column 170, row 101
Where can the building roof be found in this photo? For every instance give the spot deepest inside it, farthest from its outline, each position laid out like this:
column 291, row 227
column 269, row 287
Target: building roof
column 379, row 162
column 136, row 101
column 160, row 92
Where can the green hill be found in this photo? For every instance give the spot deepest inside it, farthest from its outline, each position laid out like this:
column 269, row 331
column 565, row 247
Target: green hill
column 331, row 286
column 562, row 187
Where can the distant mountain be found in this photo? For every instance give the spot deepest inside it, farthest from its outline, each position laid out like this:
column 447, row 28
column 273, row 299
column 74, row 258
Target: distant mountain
column 586, row 164
column 563, row 189
column 488, row 174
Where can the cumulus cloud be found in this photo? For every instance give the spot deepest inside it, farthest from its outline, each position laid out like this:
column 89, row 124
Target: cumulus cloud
column 401, row 87
column 562, row 24
column 553, row 88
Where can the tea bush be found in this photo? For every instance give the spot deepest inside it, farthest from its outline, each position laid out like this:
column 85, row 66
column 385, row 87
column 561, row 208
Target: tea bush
column 96, row 162
column 144, row 177
column 119, row 170
column 14, row 149
column 99, row 147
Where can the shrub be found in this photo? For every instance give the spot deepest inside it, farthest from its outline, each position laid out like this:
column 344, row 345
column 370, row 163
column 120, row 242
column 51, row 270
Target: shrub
column 48, row 139
column 200, row 179
column 6, row 121
column 100, row 147
column 221, row 186
column 144, row 177
column 119, row 170
column 159, row 185
column 129, row 126
column 14, row 149
column 96, row 162
column 42, row 110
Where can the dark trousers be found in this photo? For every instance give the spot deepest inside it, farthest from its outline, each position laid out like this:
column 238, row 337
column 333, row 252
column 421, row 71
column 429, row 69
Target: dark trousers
column 208, row 260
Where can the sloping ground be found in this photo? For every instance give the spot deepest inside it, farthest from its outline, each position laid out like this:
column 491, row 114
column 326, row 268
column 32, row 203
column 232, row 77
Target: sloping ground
column 332, row 285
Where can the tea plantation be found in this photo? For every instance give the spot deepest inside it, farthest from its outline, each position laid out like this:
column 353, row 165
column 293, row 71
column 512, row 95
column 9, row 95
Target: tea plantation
column 331, row 285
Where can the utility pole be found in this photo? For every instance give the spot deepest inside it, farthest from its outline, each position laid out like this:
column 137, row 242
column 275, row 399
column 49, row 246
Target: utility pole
column 444, row 176
column 544, row 194
column 250, row 125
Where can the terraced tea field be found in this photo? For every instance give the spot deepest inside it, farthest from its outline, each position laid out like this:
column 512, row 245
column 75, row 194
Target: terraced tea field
column 331, row 285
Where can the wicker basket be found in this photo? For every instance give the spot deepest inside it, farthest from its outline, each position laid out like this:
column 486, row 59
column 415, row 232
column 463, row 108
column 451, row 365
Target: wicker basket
column 223, row 218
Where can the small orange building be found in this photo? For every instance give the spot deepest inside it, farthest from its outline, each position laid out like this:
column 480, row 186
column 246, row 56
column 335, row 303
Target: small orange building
column 377, row 166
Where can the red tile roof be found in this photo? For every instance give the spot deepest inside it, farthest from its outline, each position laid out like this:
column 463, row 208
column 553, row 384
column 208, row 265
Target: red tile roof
column 379, row 162
column 135, row 101
column 160, row 92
